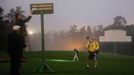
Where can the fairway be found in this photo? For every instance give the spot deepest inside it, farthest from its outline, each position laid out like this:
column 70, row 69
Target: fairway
column 61, row 63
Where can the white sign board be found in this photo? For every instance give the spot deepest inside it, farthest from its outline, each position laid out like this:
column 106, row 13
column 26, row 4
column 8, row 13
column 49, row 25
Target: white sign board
column 115, row 36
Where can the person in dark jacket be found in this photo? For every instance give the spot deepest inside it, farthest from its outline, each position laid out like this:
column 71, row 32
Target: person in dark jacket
column 21, row 22
column 15, row 46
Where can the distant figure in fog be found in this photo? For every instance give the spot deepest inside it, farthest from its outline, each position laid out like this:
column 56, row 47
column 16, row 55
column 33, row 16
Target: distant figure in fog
column 76, row 54
column 16, row 44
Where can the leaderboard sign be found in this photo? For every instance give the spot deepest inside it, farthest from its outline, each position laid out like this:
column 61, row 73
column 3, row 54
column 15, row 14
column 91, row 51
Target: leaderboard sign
column 45, row 8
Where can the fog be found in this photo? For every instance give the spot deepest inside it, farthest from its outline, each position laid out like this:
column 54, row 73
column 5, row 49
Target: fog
column 64, row 40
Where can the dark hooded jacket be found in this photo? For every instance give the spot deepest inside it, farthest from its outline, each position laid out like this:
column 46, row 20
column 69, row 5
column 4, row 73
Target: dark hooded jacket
column 21, row 23
column 15, row 41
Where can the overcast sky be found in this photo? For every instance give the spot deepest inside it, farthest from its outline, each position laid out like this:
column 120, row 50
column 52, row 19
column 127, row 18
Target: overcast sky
column 76, row 12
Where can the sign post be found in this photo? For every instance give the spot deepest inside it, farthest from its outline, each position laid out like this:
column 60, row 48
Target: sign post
column 41, row 9
column 42, row 37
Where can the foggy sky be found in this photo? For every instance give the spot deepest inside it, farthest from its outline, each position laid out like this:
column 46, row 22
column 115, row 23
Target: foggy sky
column 75, row 12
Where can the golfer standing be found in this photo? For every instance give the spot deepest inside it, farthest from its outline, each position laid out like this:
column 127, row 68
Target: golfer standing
column 93, row 49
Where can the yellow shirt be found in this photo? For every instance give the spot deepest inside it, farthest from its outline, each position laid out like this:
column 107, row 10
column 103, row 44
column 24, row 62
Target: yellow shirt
column 96, row 45
column 93, row 46
column 90, row 46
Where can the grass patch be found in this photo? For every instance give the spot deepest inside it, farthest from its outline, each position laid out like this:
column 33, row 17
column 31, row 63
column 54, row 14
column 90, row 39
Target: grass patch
column 109, row 64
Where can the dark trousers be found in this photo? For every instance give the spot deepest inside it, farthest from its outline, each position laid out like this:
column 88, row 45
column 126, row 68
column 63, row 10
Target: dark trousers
column 15, row 66
column 15, row 61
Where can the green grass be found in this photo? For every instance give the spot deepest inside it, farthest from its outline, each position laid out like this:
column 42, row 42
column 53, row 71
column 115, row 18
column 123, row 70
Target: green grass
column 109, row 64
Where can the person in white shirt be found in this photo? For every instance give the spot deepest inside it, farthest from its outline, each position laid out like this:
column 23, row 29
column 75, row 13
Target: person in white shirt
column 76, row 54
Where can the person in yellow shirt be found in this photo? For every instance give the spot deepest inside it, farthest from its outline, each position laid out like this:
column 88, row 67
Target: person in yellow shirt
column 93, row 49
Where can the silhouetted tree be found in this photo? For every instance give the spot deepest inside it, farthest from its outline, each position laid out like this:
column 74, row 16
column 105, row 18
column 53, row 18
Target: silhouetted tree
column 1, row 13
column 89, row 30
column 83, row 32
column 98, row 31
column 3, row 31
column 73, row 31
column 12, row 12
column 119, row 21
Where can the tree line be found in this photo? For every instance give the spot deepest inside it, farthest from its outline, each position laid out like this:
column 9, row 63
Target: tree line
column 75, row 37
